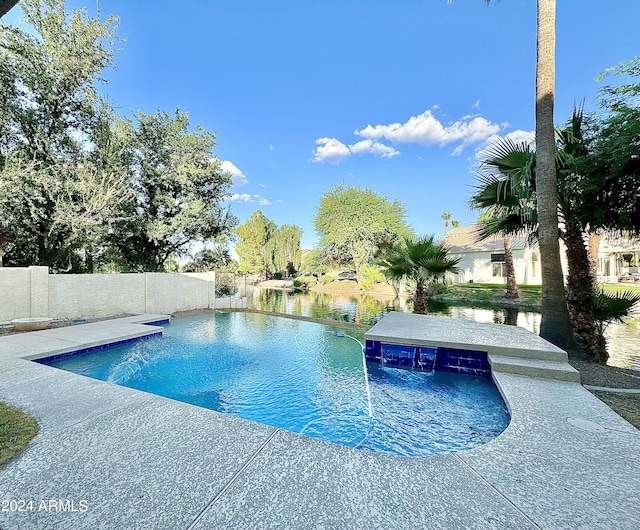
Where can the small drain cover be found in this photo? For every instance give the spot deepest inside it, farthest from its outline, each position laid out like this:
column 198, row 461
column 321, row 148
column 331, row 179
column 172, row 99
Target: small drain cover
column 585, row 425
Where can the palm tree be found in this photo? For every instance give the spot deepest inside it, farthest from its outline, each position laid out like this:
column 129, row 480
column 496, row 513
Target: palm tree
column 447, row 217
column 420, row 260
column 508, row 191
column 555, row 325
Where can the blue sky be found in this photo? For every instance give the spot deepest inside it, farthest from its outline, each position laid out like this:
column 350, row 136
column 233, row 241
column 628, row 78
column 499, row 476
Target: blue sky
column 398, row 96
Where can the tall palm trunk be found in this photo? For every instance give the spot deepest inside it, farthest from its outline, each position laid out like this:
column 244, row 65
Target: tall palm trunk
column 420, row 299
column 594, row 247
column 512, row 286
column 555, row 325
column 580, row 295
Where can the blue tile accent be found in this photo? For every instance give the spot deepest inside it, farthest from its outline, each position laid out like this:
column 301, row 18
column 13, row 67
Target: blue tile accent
column 427, row 359
column 92, row 349
column 397, row 355
column 157, row 322
column 373, row 352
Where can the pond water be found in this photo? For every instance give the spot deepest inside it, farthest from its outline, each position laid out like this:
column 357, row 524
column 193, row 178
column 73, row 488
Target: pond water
column 623, row 339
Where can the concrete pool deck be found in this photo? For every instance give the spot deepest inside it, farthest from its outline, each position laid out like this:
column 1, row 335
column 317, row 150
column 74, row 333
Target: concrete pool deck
column 138, row 460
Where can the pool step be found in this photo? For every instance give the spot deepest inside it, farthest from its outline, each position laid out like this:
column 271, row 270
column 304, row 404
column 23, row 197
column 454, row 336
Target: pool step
column 547, row 354
column 543, row 369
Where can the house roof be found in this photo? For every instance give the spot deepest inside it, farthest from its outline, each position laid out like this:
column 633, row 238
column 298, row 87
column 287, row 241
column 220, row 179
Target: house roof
column 464, row 239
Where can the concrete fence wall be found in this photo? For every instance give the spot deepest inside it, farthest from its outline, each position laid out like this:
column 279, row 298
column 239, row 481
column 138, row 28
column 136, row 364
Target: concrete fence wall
column 33, row 292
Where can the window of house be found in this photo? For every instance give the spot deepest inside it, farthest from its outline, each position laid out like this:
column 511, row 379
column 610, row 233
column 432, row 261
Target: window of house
column 535, row 264
column 497, row 265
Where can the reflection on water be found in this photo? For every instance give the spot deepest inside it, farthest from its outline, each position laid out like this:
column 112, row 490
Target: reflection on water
column 623, row 339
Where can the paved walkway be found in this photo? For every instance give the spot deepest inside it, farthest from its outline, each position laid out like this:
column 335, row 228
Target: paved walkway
column 113, row 457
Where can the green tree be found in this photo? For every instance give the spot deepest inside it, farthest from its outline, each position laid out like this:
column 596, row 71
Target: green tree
column 216, row 257
column 179, row 188
column 420, row 260
column 54, row 196
column 252, row 245
column 353, row 222
column 613, row 165
column 283, row 249
column 315, row 262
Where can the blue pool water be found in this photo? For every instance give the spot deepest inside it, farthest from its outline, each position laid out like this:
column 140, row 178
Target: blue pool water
column 306, row 378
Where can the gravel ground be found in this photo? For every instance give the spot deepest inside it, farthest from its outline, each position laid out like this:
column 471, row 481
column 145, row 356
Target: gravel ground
column 627, row 405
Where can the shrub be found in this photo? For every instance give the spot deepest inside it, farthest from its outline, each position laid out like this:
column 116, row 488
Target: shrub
column 371, row 275
column 326, row 279
column 303, row 282
column 435, row 288
column 225, row 284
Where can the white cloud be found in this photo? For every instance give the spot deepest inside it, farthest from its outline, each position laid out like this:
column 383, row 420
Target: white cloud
column 271, row 148
column 242, row 197
column 334, row 151
column 237, row 177
column 476, row 105
column 427, row 130
column 245, row 197
column 279, row 200
column 330, row 150
column 376, row 148
column 424, row 129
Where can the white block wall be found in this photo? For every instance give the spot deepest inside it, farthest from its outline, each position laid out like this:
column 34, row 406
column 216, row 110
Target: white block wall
column 33, row 292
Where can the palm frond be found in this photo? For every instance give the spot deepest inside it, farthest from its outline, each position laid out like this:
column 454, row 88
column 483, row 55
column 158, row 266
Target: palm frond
column 614, row 307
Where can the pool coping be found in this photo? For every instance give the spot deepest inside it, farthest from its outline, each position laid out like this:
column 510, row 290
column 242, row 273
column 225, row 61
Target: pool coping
column 564, row 461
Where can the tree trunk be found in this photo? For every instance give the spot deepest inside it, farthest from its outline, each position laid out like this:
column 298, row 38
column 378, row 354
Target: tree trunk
column 594, row 247
column 556, row 325
column 580, row 296
column 512, row 286
column 420, row 299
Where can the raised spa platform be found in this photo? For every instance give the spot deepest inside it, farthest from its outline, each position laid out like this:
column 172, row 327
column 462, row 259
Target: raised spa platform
column 454, row 345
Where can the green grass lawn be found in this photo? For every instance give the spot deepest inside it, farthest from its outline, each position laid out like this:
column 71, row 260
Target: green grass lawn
column 620, row 287
column 16, row 431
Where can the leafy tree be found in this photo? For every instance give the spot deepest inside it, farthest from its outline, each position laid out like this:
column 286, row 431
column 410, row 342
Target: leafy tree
column 264, row 248
column 420, row 260
column 252, row 245
column 54, row 196
column 316, row 263
column 179, row 186
column 613, row 165
column 214, row 258
column 353, row 222
column 283, row 249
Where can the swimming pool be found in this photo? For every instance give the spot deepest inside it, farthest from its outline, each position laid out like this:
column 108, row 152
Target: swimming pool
column 306, row 378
